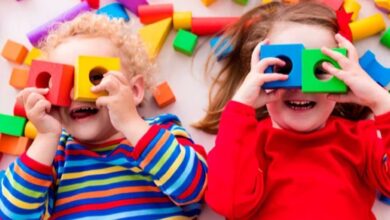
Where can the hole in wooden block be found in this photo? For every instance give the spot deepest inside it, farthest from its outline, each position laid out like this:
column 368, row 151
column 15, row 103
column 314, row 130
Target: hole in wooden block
column 43, row 80
column 96, row 75
column 320, row 73
column 286, row 69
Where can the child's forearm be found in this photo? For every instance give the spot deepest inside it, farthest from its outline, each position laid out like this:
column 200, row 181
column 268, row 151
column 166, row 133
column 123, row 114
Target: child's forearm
column 135, row 130
column 44, row 148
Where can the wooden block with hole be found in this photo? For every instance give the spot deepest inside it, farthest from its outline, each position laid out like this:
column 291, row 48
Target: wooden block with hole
column 19, row 78
column 163, row 95
column 12, row 125
column 14, row 145
column 33, row 54
column 89, row 72
column 14, row 52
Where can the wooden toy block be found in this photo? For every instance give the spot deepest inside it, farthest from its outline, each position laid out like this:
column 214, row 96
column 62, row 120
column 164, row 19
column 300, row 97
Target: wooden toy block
column 154, row 35
column 185, row 42
column 333, row 4
column 208, row 2
column 385, row 39
column 182, row 20
column 89, row 72
column 34, row 53
column 266, row 1
column 384, row 199
column 383, row 5
column 290, row 1
column 163, row 95
column 114, row 10
column 292, row 55
column 211, row 25
column 19, row 78
column 221, row 47
column 14, row 145
column 57, row 77
column 376, row 70
column 133, row 5
column 38, row 34
column 352, row 6
column 19, row 110
column 12, row 125
column 313, row 58
column 93, row 3
column 151, row 13
column 241, row 2
column 14, row 52
column 367, row 27
column 30, row 131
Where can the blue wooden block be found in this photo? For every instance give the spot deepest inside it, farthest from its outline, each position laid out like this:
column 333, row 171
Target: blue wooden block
column 114, row 10
column 221, row 49
column 378, row 72
column 292, row 55
column 384, row 199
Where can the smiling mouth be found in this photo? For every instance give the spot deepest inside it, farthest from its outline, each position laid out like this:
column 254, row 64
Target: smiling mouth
column 83, row 112
column 300, row 105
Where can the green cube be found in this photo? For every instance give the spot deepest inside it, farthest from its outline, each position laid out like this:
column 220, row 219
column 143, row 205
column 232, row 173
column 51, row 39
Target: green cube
column 241, row 2
column 311, row 58
column 185, row 42
column 385, row 39
column 12, row 125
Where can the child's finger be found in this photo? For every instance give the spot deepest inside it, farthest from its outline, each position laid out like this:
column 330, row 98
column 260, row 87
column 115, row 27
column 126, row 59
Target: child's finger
column 334, row 71
column 21, row 98
column 109, row 84
column 343, row 42
column 119, row 76
column 256, row 53
column 270, row 77
column 32, row 100
column 266, row 62
column 343, row 61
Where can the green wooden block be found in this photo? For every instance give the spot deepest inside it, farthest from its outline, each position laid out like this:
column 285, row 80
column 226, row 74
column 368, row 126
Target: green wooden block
column 185, row 42
column 241, row 2
column 311, row 58
column 12, row 125
column 385, row 39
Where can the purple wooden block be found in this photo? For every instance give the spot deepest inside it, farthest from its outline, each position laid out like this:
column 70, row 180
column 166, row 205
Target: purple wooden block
column 39, row 33
column 132, row 5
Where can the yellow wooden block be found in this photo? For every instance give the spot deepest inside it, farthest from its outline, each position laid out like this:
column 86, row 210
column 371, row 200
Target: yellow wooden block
column 383, row 4
column 352, row 6
column 367, row 27
column 266, row 1
column 30, row 131
column 182, row 20
column 33, row 54
column 208, row 2
column 154, row 35
column 88, row 72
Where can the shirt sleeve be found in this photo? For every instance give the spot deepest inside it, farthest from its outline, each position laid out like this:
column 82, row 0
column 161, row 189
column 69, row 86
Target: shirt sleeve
column 235, row 167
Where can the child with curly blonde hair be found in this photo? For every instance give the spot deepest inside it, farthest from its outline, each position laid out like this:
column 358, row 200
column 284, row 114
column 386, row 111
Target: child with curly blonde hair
column 103, row 160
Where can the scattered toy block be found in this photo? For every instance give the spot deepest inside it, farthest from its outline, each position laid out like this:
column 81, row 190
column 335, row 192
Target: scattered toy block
column 312, row 58
column 19, row 78
column 292, row 55
column 185, row 42
column 14, row 52
column 154, row 35
column 89, row 72
column 208, row 2
column 12, row 125
column 163, row 95
column 14, row 145
column 266, row 1
column 33, row 54
column 19, row 110
column 114, row 10
column 133, row 5
column 211, row 25
column 30, row 130
column 385, row 39
column 221, row 47
column 151, row 13
column 93, row 3
column 384, row 199
column 352, row 6
column 367, row 27
column 38, row 34
column 376, row 70
column 57, row 77
column 241, row 2
column 383, row 5
column 182, row 20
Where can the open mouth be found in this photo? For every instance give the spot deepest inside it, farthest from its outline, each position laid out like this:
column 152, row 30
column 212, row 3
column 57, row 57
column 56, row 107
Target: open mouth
column 300, row 105
column 83, row 112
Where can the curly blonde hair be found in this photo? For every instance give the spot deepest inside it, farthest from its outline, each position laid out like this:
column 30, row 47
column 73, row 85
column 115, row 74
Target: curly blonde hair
column 132, row 52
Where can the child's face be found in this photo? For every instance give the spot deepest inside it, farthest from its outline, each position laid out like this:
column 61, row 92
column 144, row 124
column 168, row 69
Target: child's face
column 83, row 120
column 296, row 110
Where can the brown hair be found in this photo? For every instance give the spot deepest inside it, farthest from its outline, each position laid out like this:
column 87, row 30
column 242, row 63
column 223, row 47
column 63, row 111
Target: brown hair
column 253, row 27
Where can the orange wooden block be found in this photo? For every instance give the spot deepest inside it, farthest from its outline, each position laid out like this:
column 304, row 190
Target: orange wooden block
column 14, row 52
column 19, row 77
column 163, row 95
column 14, row 145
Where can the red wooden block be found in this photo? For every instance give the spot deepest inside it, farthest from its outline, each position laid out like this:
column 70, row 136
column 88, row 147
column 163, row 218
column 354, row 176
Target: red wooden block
column 14, row 145
column 19, row 110
column 152, row 13
column 19, row 77
column 57, row 77
column 93, row 3
column 211, row 26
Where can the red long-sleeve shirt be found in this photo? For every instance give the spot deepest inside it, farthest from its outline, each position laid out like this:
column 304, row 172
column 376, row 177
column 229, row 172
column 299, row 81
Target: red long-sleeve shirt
column 260, row 172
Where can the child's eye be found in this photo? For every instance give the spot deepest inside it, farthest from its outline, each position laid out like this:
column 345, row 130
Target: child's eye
column 321, row 73
column 286, row 69
column 96, row 75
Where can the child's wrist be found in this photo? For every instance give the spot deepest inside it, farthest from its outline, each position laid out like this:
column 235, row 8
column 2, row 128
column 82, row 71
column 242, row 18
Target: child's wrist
column 381, row 105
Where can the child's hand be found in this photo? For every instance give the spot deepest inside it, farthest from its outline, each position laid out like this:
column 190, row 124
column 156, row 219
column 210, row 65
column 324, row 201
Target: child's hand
column 363, row 89
column 39, row 111
column 250, row 92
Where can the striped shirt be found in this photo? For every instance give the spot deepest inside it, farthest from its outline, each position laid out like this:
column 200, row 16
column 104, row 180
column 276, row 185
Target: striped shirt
column 162, row 177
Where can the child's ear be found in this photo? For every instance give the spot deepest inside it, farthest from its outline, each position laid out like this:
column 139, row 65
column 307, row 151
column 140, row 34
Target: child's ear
column 137, row 84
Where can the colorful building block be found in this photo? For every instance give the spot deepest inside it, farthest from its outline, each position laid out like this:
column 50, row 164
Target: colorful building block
column 30, row 130
column 383, row 5
column 57, row 77
column 93, row 3
column 385, row 39
column 185, row 42
column 154, row 35
column 182, row 20
column 352, row 6
column 14, row 52
column 19, row 78
column 38, row 34
column 266, row 1
column 376, row 70
column 114, row 10
column 89, row 71
column 33, row 54
column 151, row 13
column 14, row 145
column 211, row 25
column 384, row 199
column 163, row 95
column 367, row 27
column 208, row 2
column 241, row 2
column 133, row 5
column 221, row 47
column 292, row 55
column 19, row 110
column 313, row 58
column 12, row 125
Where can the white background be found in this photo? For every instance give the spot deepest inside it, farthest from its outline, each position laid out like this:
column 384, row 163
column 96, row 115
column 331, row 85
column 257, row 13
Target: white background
column 184, row 74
